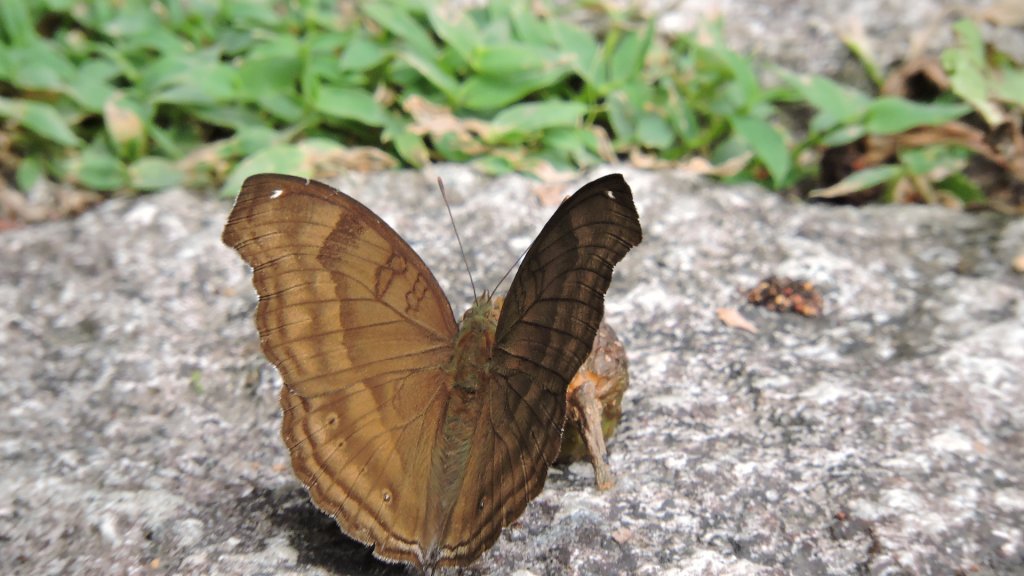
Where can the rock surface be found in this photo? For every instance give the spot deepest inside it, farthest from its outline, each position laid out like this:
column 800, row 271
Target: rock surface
column 808, row 35
column 886, row 437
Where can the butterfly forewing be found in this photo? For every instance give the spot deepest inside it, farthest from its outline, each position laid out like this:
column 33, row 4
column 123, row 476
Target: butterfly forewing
column 545, row 332
column 361, row 332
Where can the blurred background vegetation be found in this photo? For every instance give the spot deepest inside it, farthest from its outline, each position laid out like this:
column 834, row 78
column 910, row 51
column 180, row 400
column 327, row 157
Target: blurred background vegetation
column 137, row 95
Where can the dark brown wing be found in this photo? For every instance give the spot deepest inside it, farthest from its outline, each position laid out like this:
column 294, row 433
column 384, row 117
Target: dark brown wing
column 360, row 331
column 546, row 329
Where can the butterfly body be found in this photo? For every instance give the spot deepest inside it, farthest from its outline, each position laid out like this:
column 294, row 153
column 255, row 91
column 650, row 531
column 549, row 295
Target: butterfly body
column 474, row 344
column 421, row 437
column 471, row 355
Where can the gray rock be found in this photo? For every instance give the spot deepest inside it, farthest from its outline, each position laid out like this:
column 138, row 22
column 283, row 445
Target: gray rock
column 885, row 437
column 808, row 35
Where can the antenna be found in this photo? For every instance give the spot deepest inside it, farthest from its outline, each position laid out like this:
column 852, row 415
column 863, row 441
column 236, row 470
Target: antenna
column 516, row 262
column 440, row 184
column 512, row 267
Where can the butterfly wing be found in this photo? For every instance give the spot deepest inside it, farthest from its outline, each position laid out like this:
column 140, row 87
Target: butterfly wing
column 545, row 331
column 360, row 331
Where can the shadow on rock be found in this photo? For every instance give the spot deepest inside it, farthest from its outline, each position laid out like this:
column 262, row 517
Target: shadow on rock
column 320, row 542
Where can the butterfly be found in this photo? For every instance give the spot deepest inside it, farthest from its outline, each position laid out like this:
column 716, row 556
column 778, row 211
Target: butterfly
column 421, row 437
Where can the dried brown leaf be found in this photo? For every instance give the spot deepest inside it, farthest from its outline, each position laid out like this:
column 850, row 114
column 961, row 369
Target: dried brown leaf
column 732, row 318
column 436, row 121
column 622, row 535
column 1018, row 263
column 1003, row 13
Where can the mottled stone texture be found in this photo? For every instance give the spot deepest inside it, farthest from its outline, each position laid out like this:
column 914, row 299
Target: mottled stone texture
column 885, row 437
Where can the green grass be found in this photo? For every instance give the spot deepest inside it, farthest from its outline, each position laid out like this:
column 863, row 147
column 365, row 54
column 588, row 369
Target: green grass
column 139, row 95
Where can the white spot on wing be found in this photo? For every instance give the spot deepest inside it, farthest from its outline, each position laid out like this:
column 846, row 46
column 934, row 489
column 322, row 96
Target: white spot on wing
column 609, row 194
column 276, row 194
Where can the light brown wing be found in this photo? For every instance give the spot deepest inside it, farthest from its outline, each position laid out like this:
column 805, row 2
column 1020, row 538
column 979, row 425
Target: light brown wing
column 546, row 329
column 360, row 331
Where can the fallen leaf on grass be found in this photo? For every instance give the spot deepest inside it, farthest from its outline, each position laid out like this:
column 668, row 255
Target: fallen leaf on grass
column 437, row 121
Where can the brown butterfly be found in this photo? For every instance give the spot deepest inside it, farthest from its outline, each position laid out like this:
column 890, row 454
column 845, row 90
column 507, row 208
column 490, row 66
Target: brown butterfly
column 420, row 437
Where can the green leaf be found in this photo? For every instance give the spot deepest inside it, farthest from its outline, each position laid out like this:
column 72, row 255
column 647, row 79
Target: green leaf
column 28, row 172
column 158, row 73
column 965, row 64
column 926, row 159
column 202, row 83
column 620, row 117
column 163, row 140
column 438, row 77
column 363, row 54
column 513, row 58
column 98, row 169
column 624, row 107
column 530, row 117
column 130, row 19
column 527, row 27
column 545, row 159
column 228, row 116
column 486, row 93
column 39, row 66
column 681, row 115
column 252, row 139
column 456, row 29
column 154, row 173
column 410, row 147
column 402, row 25
column 309, row 82
column 836, row 103
column 579, row 144
column 858, row 181
column 767, row 145
column 892, row 115
column 155, row 41
column 743, row 74
column 17, row 23
column 627, row 61
column 450, row 147
column 493, row 165
column 842, row 136
column 258, row 77
column 248, row 15
column 963, row 188
column 323, row 61
column 350, row 104
column 283, row 106
column 1008, row 85
column 92, row 85
column 40, row 118
column 279, row 46
column 581, row 46
column 284, row 158
column 653, row 131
